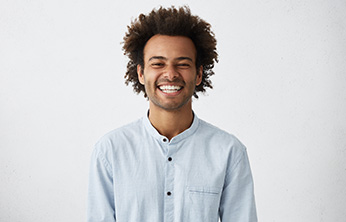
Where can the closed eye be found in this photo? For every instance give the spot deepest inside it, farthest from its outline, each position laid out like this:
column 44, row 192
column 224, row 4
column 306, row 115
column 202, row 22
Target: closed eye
column 183, row 65
column 157, row 65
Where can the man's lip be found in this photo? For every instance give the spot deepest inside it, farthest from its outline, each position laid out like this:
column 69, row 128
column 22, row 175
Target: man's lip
column 169, row 84
column 165, row 82
column 170, row 93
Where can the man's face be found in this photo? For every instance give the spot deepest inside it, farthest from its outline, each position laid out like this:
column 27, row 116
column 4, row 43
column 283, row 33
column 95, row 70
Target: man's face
column 169, row 75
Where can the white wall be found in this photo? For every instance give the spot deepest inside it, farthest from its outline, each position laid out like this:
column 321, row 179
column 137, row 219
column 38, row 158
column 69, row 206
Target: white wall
column 280, row 86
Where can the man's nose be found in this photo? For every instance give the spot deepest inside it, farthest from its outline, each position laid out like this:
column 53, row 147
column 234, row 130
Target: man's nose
column 170, row 72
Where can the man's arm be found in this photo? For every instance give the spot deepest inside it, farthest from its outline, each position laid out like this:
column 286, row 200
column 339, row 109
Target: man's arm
column 100, row 191
column 237, row 200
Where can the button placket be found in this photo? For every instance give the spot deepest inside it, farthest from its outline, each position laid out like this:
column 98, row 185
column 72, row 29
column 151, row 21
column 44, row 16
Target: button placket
column 169, row 184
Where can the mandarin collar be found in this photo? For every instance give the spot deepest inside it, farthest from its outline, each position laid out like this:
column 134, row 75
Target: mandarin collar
column 181, row 136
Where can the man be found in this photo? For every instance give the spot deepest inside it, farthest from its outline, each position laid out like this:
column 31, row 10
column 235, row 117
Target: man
column 170, row 166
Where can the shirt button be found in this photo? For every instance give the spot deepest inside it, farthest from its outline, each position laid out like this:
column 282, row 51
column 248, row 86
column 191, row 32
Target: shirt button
column 164, row 140
column 170, row 159
column 169, row 193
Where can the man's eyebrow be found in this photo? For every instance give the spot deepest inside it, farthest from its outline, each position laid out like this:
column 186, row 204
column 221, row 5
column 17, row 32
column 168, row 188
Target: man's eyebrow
column 183, row 58
column 157, row 57
column 164, row 58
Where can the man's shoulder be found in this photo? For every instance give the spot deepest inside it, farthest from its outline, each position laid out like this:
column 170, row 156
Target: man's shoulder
column 209, row 128
column 122, row 133
column 213, row 133
column 125, row 129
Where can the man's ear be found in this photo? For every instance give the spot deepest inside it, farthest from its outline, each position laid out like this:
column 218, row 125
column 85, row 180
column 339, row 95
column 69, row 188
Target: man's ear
column 140, row 74
column 199, row 75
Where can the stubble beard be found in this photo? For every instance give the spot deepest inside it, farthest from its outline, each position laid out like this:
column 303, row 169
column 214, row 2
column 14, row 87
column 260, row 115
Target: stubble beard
column 170, row 105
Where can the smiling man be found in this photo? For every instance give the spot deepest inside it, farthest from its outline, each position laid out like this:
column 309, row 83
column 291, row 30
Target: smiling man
column 170, row 166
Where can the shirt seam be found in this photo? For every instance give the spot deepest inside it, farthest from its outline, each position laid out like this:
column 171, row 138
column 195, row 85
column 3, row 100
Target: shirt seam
column 237, row 163
column 105, row 162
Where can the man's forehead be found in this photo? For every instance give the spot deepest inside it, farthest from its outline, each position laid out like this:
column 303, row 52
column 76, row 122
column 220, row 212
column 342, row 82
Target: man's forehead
column 169, row 47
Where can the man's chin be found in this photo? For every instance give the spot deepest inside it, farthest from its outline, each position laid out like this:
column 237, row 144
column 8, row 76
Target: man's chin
column 170, row 106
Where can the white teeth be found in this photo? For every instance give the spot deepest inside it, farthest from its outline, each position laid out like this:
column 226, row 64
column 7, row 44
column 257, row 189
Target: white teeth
column 169, row 88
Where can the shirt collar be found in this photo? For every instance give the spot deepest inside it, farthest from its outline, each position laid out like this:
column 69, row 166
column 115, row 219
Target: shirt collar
column 153, row 132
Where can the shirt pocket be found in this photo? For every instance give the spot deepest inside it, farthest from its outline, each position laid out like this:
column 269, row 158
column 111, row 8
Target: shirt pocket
column 207, row 191
column 204, row 202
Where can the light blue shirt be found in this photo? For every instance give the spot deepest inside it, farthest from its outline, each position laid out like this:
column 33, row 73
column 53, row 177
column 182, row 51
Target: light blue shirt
column 200, row 175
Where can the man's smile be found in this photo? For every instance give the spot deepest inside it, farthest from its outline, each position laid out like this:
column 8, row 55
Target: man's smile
column 170, row 89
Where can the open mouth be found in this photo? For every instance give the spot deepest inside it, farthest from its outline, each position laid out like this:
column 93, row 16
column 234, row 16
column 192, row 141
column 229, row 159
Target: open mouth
column 170, row 88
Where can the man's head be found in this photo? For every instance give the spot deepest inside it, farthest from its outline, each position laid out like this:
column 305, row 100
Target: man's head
column 170, row 22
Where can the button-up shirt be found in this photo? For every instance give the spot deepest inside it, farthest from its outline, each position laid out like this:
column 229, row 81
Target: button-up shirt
column 200, row 175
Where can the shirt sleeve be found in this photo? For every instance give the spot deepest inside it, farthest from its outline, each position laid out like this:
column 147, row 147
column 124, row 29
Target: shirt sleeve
column 237, row 200
column 100, row 190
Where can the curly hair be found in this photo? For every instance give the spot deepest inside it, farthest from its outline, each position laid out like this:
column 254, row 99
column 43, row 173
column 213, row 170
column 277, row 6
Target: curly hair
column 173, row 22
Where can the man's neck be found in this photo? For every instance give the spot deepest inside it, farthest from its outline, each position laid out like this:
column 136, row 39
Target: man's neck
column 171, row 123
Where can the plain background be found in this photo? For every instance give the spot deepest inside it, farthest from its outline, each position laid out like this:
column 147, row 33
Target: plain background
column 280, row 87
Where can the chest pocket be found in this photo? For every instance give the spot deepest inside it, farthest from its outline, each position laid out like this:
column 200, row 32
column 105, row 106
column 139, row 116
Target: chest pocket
column 211, row 191
column 204, row 202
